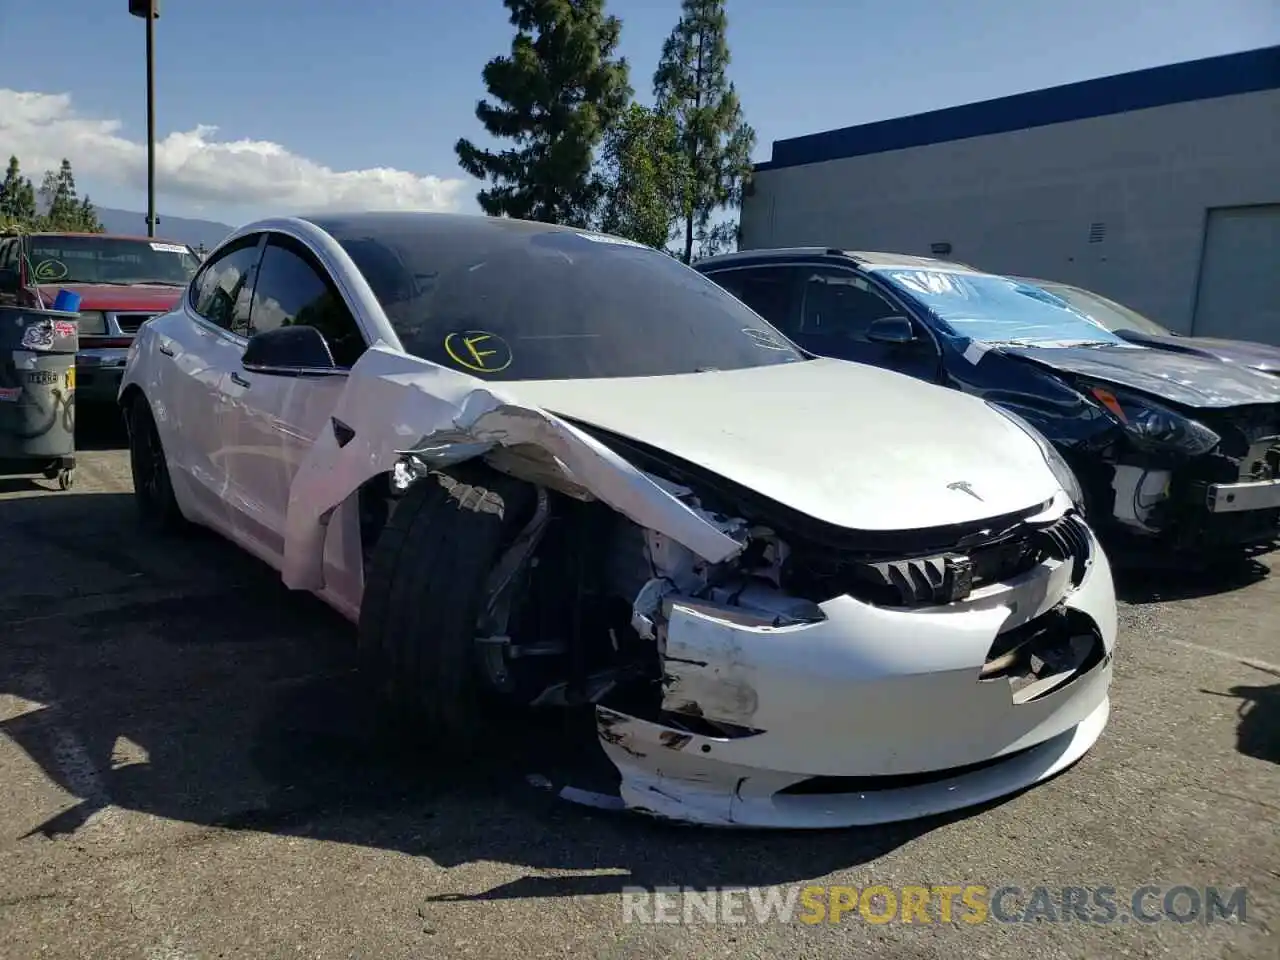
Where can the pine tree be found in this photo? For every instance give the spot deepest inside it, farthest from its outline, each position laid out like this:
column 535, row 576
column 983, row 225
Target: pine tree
column 691, row 85
column 58, row 195
column 87, row 217
column 558, row 92
column 64, row 209
column 644, row 176
column 17, row 197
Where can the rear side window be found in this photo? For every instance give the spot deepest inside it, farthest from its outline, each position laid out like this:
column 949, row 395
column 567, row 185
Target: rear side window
column 222, row 291
column 293, row 288
column 766, row 290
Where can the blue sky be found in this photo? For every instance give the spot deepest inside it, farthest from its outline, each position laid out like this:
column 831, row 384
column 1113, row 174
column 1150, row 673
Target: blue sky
column 393, row 83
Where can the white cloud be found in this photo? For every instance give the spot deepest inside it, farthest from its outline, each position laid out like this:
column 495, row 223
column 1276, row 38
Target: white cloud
column 42, row 128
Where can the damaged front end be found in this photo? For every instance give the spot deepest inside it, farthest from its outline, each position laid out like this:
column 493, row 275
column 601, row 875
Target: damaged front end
column 1195, row 480
column 747, row 664
column 825, row 677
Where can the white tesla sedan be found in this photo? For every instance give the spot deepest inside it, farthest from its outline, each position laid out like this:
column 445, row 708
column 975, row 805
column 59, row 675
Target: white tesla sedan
column 540, row 466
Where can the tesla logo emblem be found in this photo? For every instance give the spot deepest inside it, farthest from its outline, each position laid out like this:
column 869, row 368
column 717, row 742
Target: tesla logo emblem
column 964, row 487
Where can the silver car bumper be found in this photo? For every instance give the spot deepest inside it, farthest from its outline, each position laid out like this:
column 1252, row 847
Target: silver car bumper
column 1239, row 497
column 99, row 371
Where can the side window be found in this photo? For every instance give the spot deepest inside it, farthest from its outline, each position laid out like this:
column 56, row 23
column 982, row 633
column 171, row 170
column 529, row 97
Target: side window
column 222, row 290
column 766, row 290
column 294, row 289
column 9, row 264
column 839, row 303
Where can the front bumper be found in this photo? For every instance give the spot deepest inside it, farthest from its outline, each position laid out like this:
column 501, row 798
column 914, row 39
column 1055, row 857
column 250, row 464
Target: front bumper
column 99, row 372
column 1244, row 496
column 888, row 702
column 1178, row 509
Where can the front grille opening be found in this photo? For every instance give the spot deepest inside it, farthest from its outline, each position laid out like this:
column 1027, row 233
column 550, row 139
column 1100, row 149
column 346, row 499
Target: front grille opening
column 1044, row 655
column 902, row 781
column 132, row 322
column 940, row 578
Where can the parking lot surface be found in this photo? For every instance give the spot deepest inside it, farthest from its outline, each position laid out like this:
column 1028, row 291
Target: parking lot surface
column 189, row 768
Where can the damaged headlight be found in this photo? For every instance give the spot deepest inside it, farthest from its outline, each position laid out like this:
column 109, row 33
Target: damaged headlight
column 1151, row 426
column 1062, row 471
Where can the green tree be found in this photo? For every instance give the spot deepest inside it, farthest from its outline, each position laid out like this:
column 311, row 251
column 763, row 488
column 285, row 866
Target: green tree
column 721, row 238
column 644, row 177
column 557, row 93
column 65, row 210
column 88, row 217
column 17, row 198
column 691, row 85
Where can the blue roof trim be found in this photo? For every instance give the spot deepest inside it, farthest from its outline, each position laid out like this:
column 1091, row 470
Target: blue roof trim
column 1235, row 73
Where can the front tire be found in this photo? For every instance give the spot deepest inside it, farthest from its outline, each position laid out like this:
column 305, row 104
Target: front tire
column 425, row 591
column 157, row 507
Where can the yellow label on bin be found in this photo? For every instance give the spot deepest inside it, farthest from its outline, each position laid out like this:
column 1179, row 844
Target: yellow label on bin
column 71, row 379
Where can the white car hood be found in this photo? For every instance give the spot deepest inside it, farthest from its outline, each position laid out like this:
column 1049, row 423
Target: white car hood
column 846, row 443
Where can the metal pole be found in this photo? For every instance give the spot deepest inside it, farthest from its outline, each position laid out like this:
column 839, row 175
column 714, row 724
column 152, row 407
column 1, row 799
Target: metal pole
column 151, row 119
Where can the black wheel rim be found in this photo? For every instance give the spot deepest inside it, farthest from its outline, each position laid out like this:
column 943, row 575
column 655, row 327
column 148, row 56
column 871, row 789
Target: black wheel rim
column 148, row 465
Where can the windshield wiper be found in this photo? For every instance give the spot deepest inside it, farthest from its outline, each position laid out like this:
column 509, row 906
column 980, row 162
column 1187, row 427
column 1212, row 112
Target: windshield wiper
column 1017, row 342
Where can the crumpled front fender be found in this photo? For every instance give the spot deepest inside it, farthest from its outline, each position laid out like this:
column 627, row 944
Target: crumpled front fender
column 394, row 404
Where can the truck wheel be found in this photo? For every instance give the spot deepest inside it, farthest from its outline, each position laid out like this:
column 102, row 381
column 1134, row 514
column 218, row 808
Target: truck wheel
column 424, row 594
column 158, row 511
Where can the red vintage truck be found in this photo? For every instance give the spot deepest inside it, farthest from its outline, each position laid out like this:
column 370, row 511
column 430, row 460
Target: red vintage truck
column 122, row 282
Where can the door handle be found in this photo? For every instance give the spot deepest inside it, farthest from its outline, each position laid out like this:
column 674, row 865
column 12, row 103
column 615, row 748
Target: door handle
column 165, row 349
column 240, row 381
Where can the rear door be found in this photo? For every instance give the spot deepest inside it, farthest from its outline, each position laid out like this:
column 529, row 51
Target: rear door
column 204, row 348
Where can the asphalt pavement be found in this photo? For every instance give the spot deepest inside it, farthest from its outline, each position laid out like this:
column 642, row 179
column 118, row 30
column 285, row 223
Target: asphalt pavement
column 190, row 768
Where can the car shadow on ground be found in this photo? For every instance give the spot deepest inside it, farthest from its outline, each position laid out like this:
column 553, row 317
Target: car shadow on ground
column 100, row 426
column 205, row 692
column 1139, row 584
column 1258, row 732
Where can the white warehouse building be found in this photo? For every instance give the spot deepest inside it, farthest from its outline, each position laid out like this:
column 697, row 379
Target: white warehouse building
column 1159, row 189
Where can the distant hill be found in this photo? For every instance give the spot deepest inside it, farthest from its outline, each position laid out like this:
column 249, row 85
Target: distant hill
column 181, row 229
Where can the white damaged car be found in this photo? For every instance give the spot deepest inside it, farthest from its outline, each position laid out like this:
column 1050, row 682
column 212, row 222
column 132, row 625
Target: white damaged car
column 542, row 466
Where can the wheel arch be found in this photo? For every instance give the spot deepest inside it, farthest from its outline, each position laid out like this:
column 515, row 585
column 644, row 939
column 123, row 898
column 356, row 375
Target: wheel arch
column 128, row 394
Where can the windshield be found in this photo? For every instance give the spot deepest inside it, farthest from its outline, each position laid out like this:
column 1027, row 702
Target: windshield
column 992, row 309
column 509, row 300
column 1112, row 315
column 109, row 260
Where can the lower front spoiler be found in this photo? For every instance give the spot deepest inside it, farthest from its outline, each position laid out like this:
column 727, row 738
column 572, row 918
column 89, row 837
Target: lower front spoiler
column 724, row 803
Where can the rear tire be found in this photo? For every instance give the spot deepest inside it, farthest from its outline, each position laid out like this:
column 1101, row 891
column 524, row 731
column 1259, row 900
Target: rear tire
column 424, row 594
column 158, row 510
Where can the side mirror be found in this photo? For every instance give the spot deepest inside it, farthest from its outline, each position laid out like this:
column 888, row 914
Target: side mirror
column 9, row 280
column 288, row 351
column 896, row 330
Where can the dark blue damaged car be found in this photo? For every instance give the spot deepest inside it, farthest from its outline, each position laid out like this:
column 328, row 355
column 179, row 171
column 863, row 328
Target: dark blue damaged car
column 1171, row 448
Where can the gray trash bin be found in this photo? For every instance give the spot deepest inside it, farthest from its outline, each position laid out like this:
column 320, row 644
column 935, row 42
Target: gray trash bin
column 38, row 393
